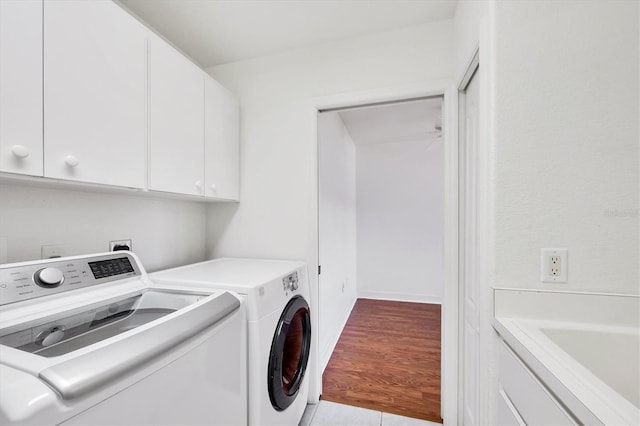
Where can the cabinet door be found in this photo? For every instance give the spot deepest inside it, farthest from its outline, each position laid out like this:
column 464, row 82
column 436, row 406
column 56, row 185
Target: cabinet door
column 221, row 133
column 94, row 93
column 21, row 86
column 176, row 121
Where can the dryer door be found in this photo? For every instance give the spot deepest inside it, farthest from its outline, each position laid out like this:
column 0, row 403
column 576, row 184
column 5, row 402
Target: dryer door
column 289, row 353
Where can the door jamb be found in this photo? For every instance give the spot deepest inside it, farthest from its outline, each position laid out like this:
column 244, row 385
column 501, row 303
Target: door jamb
column 449, row 335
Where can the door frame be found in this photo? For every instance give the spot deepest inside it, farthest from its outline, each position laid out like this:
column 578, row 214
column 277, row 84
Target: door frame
column 449, row 334
column 483, row 258
column 464, row 206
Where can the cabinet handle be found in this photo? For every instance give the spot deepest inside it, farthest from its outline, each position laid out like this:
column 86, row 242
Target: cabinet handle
column 212, row 187
column 20, row 151
column 199, row 184
column 71, row 160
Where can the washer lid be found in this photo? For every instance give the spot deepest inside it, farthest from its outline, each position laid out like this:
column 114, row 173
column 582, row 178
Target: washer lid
column 66, row 332
column 75, row 370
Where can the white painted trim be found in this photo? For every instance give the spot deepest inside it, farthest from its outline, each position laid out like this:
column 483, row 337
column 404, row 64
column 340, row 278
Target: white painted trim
column 472, row 65
column 451, row 348
column 450, row 308
column 400, row 297
column 488, row 377
column 388, row 94
column 382, row 95
column 580, row 292
column 326, row 356
column 314, row 370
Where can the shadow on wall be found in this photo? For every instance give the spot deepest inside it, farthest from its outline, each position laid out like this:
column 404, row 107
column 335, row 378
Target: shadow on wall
column 219, row 216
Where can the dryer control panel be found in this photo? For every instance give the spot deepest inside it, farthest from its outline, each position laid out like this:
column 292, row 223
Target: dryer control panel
column 28, row 280
column 290, row 283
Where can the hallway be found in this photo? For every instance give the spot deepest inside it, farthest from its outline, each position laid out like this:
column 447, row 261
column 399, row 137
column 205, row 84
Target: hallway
column 388, row 359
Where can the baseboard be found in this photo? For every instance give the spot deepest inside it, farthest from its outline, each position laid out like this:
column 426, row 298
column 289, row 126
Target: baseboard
column 400, row 297
column 326, row 356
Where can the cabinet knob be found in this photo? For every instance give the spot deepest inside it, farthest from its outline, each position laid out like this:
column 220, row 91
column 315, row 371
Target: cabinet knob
column 20, row 151
column 212, row 187
column 198, row 184
column 71, row 160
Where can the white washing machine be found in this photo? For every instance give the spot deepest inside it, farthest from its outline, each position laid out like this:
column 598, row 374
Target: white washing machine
column 91, row 340
column 279, row 329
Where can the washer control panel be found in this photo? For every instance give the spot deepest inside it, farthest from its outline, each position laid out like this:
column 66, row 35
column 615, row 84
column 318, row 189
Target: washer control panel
column 24, row 281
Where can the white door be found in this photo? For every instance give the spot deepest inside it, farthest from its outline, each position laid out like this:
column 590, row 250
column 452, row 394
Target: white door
column 94, row 93
column 176, row 121
column 221, row 142
column 470, row 335
column 21, row 86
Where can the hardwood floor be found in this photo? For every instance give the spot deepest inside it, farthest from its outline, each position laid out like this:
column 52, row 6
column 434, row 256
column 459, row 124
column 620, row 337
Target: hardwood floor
column 388, row 359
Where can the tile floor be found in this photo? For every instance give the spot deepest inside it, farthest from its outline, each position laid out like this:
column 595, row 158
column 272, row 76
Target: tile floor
column 331, row 414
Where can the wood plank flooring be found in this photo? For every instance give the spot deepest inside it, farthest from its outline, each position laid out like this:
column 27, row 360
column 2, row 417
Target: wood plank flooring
column 388, row 359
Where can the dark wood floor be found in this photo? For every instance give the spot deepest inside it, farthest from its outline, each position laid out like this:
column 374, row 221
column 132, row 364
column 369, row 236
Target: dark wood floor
column 388, row 359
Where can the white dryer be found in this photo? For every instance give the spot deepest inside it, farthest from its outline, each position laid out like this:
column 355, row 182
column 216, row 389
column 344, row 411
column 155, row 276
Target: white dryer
column 279, row 329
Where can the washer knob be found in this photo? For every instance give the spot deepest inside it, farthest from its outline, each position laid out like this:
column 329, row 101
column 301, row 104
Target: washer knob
column 48, row 277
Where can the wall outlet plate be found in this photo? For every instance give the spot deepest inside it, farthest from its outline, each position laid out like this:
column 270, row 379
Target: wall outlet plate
column 120, row 243
column 554, row 265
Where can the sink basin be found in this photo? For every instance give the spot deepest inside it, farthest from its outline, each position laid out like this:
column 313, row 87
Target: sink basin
column 613, row 356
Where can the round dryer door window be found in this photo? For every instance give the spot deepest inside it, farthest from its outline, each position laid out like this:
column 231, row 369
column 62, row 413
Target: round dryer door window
column 289, row 353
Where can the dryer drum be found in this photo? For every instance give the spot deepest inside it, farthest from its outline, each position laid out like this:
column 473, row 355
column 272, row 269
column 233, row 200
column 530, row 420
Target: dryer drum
column 289, row 354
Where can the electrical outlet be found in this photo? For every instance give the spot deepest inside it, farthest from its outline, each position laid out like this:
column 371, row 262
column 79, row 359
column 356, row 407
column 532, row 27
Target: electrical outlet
column 554, row 265
column 120, row 245
column 50, row 251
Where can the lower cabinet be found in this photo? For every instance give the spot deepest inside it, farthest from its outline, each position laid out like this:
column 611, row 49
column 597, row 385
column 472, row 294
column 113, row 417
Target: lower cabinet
column 506, row 413
column 522, row 398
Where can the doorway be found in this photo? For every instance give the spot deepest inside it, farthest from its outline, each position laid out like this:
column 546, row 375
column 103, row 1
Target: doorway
column 380, row 209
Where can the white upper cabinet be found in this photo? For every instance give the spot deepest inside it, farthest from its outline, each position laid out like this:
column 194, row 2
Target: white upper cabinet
column 176, row 121
column 21, row 86
column 94, row 93
column 221, row 139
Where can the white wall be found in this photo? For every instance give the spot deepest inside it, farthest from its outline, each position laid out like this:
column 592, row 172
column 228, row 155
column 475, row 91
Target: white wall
column 165, row 233
column 277, row 143
column 400, row 220
column 565, row 96
column 276, row 215
column 466, row 27
column 337, row 229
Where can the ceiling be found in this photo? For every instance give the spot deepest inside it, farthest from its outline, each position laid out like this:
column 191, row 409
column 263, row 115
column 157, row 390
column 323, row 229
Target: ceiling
column 398, row 122
column 214, row 32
